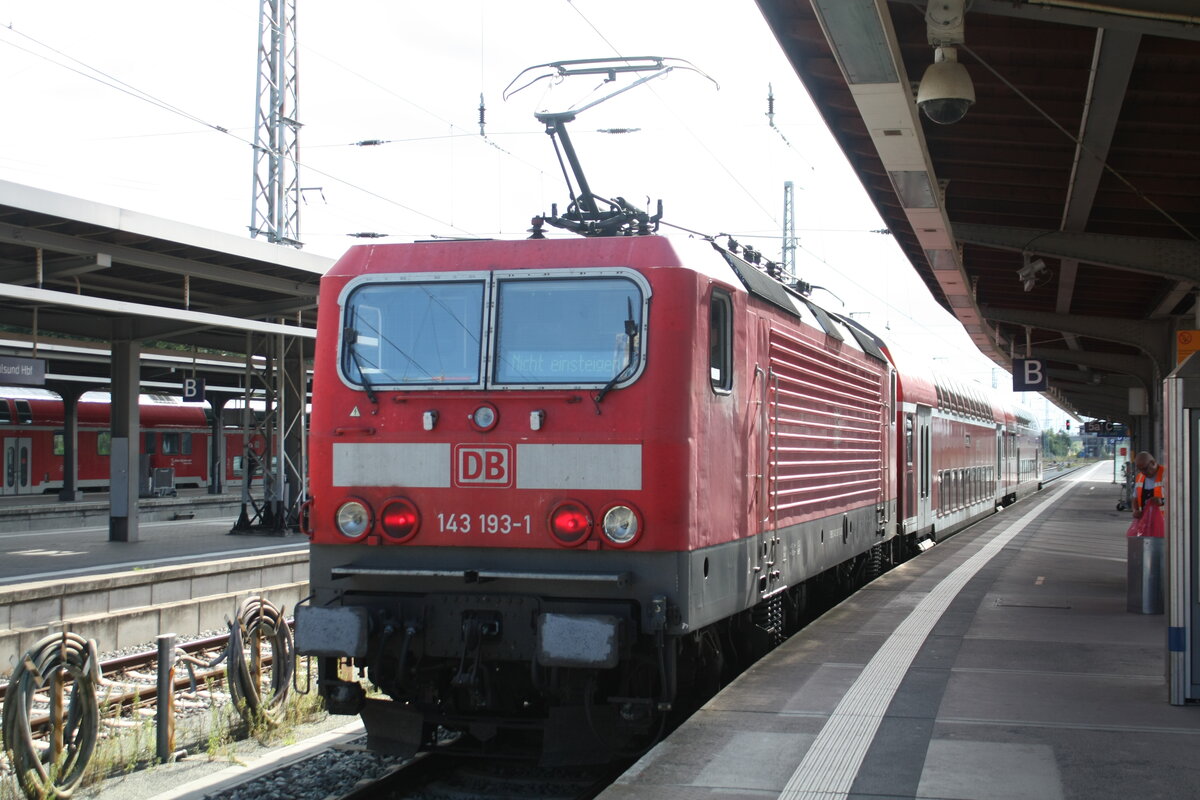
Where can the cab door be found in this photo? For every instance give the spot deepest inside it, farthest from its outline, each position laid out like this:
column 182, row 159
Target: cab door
column 18, row 466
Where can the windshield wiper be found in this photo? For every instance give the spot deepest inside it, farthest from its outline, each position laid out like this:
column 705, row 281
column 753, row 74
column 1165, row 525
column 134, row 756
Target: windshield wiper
column 633, row 351
column 350, row 336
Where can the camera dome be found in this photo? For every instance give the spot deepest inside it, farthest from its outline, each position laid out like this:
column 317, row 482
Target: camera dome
column 946, row 91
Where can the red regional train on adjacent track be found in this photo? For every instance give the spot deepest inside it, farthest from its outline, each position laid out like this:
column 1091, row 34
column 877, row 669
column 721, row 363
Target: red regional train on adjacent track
column 174, row 436
column 560, row 486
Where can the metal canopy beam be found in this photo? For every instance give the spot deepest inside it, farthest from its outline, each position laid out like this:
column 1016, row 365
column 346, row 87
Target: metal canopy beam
column 58, row 269
column 120, row 307
column 1071, row 378
column 1150, row 336
column 1085, row 15
column 1085, row 393
column 170, row 329
column 62, row 243
column 1169, row 258
column 1127, row 365
column 1112, row 62
column 1115, row 412
column 169, row 290
column 81, row 324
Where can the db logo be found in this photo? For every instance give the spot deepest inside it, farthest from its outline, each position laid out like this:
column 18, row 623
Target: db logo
column 482, row 466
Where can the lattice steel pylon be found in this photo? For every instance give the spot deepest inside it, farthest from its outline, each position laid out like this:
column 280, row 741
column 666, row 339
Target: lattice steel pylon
column 273, row 434
column 275, row 203
column 789, row 232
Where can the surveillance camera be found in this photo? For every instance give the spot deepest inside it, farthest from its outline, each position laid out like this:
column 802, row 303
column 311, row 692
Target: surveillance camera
column 1029, row 273
column 946, row 91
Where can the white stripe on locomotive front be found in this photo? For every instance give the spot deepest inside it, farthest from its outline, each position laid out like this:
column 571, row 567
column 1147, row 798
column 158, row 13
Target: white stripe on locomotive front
column 418, row 465
column 539, row 466
column 579, row 466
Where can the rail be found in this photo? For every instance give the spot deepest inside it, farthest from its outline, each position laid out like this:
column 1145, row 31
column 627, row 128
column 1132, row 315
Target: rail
column 61, row 692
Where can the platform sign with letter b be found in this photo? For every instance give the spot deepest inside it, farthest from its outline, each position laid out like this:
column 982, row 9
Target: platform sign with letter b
column 1029, row 375
column 193, row 390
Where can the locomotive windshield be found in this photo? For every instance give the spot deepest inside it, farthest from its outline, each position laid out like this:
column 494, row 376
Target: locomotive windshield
column 413, row 333
column 568, row 330
column 503, row 330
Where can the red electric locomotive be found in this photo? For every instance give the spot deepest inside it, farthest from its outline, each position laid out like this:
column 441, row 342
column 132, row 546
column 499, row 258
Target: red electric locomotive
column 557, row 484
column 532, row 501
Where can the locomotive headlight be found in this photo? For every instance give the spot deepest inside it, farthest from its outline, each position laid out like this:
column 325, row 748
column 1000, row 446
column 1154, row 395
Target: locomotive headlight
column 353, row 519
column 484, row 418
column 621, row 525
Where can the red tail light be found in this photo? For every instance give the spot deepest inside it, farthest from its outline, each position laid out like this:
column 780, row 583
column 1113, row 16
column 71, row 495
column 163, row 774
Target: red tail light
column 400, row 520
column 570, row 523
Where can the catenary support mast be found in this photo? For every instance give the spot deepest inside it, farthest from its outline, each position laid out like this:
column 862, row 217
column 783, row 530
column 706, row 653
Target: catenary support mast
column 275, row 202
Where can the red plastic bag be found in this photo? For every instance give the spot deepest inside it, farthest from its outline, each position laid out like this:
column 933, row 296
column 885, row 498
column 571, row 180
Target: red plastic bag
column 1150, row 523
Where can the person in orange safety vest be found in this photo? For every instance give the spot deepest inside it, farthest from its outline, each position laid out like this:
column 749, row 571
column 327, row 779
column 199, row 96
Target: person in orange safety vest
column 1148, row 490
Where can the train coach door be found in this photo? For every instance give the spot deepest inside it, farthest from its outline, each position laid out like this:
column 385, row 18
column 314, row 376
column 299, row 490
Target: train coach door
column 18, row 457
column 910, row 466
column 924, row 505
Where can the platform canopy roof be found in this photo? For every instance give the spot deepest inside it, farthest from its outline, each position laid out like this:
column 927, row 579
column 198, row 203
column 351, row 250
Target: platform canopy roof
column 75, row 275
column 1061, row 215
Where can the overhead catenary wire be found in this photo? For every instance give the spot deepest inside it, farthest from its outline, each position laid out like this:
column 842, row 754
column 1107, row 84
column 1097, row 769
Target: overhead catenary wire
column 106, row 79
column 460, row 130
column 115, row 83
column 703, row 145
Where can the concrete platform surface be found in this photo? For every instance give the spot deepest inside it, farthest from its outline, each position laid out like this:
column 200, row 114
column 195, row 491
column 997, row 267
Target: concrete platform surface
column 70, row 550
column 1000, row 665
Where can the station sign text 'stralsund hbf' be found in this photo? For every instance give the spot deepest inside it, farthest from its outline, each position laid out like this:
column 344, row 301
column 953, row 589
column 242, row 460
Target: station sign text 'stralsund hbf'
column 16, row 371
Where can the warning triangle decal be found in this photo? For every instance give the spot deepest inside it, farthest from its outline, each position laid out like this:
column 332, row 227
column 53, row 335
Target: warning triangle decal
column 355, row 413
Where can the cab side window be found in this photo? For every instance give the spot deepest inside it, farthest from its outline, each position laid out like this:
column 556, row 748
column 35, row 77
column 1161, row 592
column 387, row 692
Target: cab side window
column 720, row 342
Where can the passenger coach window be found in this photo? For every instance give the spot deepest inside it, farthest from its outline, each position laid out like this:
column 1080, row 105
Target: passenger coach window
column 720, row 342
column 413, row 333
column 5, row 413
column 567, row 330
column 24, row 412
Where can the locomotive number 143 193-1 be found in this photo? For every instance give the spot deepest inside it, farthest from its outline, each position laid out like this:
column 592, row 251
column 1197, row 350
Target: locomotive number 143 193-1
column 483, row 523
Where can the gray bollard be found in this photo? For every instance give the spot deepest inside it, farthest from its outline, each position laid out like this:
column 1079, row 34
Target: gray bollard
column 164, row 715
column 1146, row 567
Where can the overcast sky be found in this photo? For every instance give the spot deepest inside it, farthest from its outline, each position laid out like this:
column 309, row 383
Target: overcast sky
column 121, row 102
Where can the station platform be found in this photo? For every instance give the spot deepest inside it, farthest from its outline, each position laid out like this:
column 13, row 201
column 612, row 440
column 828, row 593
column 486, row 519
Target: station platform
column 42, row 511
column 44, row 539
column 1001, row 664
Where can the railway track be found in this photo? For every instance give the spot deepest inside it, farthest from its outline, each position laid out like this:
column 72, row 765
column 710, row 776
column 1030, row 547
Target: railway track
column 130, row 698
column 64, row 705
column 350, row 772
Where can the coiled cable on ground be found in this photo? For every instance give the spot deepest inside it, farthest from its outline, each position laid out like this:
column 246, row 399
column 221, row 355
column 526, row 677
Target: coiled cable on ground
column 259, row 621
column 58, row 663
